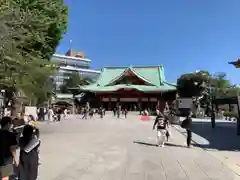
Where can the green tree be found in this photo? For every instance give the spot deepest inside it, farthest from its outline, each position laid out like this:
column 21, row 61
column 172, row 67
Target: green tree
column 192, row 84
column 73, row 80
column 48, row 23
column 29, row 33
column 220, row 84
column 204, row 86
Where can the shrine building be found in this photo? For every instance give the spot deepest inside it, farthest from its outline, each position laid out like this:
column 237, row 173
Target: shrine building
column 134, row 87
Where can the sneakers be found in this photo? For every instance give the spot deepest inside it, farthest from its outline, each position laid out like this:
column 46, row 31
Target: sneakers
column 160, row 145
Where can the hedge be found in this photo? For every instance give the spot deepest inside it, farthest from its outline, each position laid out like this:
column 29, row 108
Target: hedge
column 230, row 114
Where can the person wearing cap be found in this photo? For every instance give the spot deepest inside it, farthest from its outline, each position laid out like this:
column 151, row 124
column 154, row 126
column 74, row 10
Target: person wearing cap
column 162, row 123
column 8, row 149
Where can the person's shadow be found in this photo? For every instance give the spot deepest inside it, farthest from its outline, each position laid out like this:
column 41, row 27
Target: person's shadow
column 222, row 137
column 156, row 145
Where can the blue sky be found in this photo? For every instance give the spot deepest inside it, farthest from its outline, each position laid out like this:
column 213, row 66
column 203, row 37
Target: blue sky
column 183, row 35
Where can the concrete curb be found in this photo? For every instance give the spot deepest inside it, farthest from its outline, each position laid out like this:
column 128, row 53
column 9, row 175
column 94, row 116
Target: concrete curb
column 231, row 165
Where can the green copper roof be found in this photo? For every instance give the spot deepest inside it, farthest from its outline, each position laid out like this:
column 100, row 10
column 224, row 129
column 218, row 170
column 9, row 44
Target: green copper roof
column 152, row 74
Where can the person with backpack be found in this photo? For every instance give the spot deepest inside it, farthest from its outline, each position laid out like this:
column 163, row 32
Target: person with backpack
column 161, row 123
column 187, row 124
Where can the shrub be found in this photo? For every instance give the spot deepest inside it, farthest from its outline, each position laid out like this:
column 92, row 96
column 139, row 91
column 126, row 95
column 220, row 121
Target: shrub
column 230, row 114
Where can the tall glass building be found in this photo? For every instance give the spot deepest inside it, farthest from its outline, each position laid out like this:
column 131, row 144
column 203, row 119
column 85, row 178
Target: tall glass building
column 72, row 62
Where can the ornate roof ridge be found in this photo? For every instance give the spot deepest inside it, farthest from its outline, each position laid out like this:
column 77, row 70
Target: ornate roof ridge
column 132, row 66
column 133, row 71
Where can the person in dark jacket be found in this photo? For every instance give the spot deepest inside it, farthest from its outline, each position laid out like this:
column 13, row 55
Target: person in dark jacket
column 187, row 124
column 8, row 149
column 29, row 144
column 59, row 112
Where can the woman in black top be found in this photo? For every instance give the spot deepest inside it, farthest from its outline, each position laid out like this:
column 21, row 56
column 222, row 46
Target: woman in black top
column 28, row 167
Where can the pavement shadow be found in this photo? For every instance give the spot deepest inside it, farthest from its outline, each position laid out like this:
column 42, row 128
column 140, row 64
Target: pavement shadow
column 174, row 145
column 222, row 137
column 145, row 143
column 155, row 145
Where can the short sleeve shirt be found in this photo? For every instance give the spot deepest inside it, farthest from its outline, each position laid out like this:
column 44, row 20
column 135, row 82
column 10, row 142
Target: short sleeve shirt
column 161, row 123
column 7, row 140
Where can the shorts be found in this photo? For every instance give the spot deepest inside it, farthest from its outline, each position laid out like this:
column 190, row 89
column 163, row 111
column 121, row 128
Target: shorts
column 6, row 170
column 161, row 132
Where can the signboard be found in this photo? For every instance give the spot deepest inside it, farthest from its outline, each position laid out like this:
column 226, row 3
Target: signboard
column 185, row 103
column 128, row 99
column 144, row 99
column 105, row 99
column 31, row 110
column 114, row 99
column 153, row 99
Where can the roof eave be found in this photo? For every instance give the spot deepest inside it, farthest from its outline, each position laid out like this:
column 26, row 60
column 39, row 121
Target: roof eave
column 134, row 72
column 235, row 63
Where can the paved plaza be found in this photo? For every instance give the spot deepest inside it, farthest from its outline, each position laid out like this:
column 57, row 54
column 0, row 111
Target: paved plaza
column 122, row 149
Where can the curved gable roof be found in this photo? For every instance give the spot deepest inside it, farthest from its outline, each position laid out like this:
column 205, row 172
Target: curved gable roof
column 151, row 74
column 133, row 72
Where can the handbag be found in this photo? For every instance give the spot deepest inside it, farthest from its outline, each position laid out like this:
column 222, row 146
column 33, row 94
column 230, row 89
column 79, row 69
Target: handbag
column 184, row 123
column 167, row 133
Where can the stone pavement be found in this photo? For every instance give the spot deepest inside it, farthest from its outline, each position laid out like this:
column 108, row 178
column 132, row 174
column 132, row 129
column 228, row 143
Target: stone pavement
column 221, row 142
column 121, row 149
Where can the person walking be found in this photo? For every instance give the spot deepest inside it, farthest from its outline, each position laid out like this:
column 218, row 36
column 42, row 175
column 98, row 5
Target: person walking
column 59, row 112
column 118, row 111
column 50, row 114
column 65, row 113
column 91, row 112
column 101, row 112
column 187, row 124
column 114, row 111
column 8, row 149
column 84, row 113
column 125, row 112
column 29, row 144
column 161, row 123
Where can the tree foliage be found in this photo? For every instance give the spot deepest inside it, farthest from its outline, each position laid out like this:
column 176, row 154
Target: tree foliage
column 47, row 22
column 72, row 80
column 204, row 86
column 29, row 33
column 192, row 84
